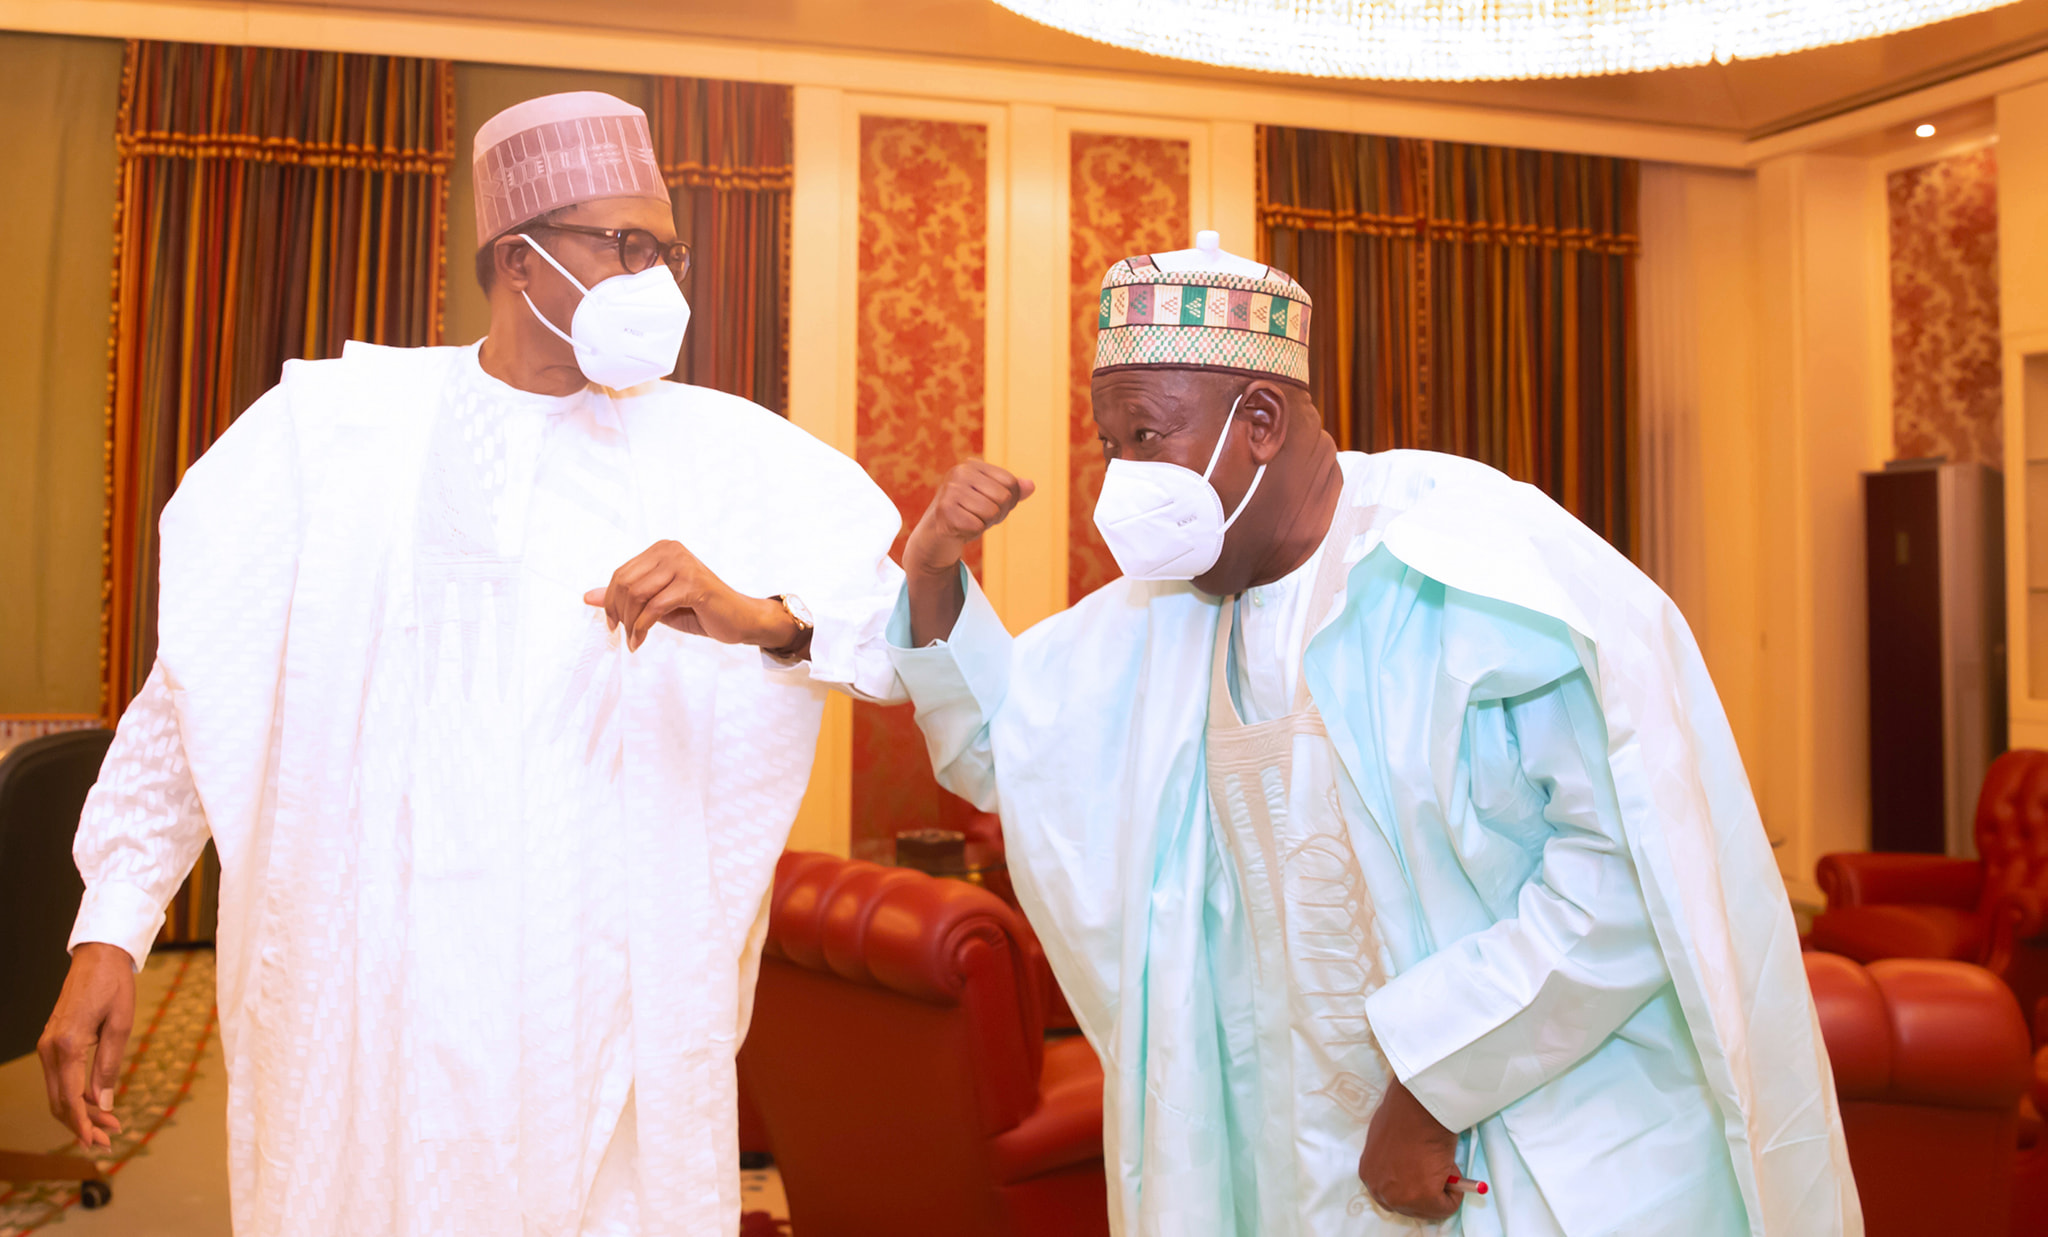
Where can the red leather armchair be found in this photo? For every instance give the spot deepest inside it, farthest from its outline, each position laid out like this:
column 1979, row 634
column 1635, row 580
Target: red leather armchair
column 1930, row 1060
column 1989, row 911
column 898, row 1063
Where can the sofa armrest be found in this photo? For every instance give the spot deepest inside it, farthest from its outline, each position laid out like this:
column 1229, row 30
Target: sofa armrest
column 1958, row 1038
column 1854, row 878
column 2015, row 915
column 1066, row 1127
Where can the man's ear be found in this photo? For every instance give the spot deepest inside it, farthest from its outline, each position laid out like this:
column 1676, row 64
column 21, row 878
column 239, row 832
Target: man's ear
column 1264, row 412
column 510, row 256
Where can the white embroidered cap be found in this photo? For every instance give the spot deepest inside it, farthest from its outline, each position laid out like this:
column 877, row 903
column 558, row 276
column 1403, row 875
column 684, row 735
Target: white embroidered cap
column 558, row 150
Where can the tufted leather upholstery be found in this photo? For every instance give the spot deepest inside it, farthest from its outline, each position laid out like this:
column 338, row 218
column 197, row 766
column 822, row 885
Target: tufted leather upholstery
column 1989, row 910
column 898, row 1063
column 1930, row 1060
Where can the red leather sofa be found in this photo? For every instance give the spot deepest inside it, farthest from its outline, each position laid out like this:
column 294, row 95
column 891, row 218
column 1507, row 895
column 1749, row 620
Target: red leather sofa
column 898, row 1066
column 1989, row 911
column 1930, row 1060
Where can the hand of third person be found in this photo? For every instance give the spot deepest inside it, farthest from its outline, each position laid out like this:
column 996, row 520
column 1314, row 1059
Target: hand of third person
column 666, row 584
column 974, row 497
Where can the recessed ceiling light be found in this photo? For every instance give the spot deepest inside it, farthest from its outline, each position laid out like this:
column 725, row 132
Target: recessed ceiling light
column 1924, row 131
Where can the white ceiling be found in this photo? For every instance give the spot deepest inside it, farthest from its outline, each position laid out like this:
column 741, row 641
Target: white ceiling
column 1750, row 99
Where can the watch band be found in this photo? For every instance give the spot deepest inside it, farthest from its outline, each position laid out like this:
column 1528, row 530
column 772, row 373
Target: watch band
column 804, row 627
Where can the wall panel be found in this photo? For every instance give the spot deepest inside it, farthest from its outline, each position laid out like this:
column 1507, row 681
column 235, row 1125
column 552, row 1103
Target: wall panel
column 1126, row 195
column 921, row 361
column 1945, row 347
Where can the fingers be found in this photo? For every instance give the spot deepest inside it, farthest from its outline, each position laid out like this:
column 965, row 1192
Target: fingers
column 643, row 578
column 49, row 1050
column 999, row 484
column 1417, row 1200
column 669, row 600
column 106, row 1068
column 595, row 597
column 72, row 1069
column 983, row 494
column 66, row 1058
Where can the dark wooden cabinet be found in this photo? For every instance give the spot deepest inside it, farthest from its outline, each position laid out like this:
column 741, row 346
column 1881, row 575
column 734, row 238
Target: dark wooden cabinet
column 1934, row 547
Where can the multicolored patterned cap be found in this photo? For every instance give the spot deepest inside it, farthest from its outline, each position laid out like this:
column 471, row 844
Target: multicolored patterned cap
column 1202, row 318
column 556, row 151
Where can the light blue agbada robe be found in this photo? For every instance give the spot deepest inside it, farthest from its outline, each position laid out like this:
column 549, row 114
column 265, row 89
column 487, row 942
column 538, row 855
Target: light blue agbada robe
column 1526, row 1007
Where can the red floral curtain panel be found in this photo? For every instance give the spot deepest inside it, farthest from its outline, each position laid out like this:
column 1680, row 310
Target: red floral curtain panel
column 726, row 152
column 1470, row 299
column 271, row 205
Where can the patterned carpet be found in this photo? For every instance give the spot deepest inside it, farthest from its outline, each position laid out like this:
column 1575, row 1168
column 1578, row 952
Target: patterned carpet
column 163, row 1061
column 173, row 1108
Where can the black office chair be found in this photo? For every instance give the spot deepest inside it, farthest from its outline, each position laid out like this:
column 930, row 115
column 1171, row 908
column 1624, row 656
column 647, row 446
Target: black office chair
column 43, row 783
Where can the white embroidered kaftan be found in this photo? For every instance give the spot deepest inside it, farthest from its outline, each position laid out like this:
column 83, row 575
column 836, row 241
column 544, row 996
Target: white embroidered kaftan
column 1591, row 969
column 488, row 881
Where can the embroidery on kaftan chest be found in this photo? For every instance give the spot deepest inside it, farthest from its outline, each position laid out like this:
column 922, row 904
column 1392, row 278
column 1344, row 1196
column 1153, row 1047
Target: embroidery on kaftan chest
column 1321, row 909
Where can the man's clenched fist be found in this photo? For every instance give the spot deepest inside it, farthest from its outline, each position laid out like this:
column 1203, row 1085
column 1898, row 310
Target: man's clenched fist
column 975, row 497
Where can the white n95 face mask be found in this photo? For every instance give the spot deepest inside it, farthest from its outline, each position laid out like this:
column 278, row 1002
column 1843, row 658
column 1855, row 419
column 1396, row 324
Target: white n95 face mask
column 1163, row 521
column 628, row 329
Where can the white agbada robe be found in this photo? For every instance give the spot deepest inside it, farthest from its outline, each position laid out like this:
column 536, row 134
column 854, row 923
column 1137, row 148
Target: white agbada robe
column 1591, row 968
column 493, row 889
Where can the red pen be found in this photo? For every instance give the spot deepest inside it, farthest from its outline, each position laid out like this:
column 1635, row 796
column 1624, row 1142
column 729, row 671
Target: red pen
column 1465, row 1185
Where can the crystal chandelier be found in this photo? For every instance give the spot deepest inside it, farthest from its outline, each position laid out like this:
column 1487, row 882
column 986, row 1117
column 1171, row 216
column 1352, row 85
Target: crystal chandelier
column 1474, row 40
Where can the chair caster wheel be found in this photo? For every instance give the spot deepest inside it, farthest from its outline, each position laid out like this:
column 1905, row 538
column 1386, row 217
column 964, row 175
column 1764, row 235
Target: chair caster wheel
column 93, row 1195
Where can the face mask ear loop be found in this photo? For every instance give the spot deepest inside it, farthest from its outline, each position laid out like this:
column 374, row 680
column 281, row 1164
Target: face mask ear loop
column 1257, row 477
column 1247, row 501
column 565, row 270
column 1223, row 437
column 559, row 332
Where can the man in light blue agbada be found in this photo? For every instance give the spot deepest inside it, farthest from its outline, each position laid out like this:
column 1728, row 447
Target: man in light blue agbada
column 1381, row 824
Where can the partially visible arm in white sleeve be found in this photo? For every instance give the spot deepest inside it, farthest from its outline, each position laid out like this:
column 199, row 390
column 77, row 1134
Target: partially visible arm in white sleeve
column 1487, row 1019
column 849, row 640
column 142, row 828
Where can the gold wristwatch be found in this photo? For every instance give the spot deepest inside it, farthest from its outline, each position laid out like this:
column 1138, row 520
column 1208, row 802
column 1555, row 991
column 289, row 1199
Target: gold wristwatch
column 800, row 614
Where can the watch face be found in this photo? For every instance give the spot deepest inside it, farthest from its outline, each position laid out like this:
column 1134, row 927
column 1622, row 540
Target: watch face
column 798, row 609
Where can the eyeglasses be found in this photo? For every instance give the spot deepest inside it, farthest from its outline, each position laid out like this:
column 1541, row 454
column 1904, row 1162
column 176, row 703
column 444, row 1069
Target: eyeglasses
column 639, row 249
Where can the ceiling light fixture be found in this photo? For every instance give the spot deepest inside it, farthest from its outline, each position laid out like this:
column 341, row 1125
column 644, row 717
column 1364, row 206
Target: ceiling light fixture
column 1924, row 131
column 1476, row 40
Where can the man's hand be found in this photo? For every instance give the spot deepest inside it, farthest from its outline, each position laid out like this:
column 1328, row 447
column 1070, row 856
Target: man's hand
column 82, row 1044
column 975, row 497
column 666, row 584
column 1409, row 1159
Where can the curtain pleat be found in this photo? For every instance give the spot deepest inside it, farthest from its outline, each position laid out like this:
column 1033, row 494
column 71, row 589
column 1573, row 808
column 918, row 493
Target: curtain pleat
column 271, row 205
column 1469, row 299
column 726, row 152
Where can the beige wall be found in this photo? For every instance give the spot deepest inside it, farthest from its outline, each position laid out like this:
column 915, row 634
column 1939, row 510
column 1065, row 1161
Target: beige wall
column 57, row 99
column 2023, row 321
column 1824, row 421
column 1764, row 380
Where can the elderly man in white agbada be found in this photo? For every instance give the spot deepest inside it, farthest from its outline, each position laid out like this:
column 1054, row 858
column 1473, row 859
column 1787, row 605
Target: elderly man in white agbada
column 497, row 815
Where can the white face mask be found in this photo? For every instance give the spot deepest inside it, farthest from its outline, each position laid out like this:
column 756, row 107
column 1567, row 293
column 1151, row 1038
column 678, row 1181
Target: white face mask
column 628, row 329
column 1163, row 521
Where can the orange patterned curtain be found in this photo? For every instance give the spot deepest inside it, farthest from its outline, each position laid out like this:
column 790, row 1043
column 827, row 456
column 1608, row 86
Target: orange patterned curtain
column 1470, row 299
column 272, row 204
column 725, row 149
